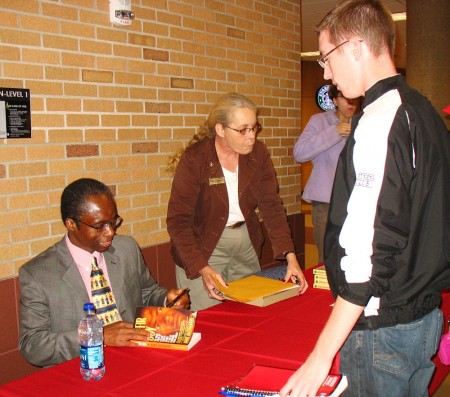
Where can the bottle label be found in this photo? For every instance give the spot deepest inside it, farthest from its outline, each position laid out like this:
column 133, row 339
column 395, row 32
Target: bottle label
column 91, row 357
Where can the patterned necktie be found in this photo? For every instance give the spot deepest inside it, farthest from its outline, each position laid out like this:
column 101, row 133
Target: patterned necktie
column 102, row 296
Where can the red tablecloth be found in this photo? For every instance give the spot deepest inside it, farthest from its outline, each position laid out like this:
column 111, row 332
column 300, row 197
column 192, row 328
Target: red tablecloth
column 234, row 336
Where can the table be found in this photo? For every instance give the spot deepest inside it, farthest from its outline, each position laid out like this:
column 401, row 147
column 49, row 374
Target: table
column 234, row 337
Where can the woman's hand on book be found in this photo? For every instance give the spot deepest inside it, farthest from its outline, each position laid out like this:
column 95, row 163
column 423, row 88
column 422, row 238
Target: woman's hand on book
column 209, row 275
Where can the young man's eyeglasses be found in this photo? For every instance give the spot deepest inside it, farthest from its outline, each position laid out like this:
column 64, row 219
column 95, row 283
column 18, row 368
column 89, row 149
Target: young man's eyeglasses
column 323, row 61
column 256, row 129
column 114, row 224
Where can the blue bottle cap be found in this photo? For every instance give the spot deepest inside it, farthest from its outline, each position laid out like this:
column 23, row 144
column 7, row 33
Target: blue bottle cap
column 88, row 306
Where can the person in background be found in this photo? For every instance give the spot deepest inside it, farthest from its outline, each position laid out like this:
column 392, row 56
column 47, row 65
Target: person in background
column 321, row 142
column 387, row 248
column 55, row 284
column 223, row 176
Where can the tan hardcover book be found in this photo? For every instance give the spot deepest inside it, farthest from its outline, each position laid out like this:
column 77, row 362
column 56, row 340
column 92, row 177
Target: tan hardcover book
column 258, row 291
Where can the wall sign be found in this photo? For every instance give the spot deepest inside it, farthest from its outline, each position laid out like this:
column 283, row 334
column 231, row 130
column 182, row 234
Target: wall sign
column 323, row 100
column 15, row 113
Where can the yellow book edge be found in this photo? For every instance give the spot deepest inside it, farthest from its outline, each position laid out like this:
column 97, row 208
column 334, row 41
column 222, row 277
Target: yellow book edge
column 196, row 337
column 321, row 283
column 319, row 269
column 321, row 286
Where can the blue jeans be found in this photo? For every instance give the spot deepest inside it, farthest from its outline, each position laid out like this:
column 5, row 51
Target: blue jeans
column 392, row 361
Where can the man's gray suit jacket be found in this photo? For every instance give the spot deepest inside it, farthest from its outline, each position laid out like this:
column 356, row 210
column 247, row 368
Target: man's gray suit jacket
column 52, row 295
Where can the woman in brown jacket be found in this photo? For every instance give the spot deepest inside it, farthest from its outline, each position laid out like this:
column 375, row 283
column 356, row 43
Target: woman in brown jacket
column 222, row 177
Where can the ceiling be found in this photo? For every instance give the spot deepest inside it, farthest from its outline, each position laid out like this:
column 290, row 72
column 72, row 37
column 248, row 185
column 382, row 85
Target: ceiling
column 314, row 10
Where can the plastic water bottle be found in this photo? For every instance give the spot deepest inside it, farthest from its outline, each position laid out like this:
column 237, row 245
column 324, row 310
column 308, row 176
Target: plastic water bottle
column 90, row 336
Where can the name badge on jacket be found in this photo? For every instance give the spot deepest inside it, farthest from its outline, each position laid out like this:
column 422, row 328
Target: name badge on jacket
column 216, row 181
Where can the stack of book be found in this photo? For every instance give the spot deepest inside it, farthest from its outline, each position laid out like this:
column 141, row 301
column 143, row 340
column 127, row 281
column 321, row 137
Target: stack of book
column 320, row 278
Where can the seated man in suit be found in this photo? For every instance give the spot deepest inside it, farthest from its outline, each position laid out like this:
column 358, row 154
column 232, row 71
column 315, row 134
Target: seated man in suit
column 55, row 285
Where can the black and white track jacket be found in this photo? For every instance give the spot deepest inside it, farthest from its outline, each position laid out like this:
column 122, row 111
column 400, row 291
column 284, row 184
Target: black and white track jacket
column 387, row 245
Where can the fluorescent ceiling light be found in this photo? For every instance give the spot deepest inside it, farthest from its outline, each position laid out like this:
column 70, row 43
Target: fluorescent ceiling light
column 310, row 54
column 399, row 16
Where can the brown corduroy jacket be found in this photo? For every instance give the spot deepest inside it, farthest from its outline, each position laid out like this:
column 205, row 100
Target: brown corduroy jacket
column 198, row 205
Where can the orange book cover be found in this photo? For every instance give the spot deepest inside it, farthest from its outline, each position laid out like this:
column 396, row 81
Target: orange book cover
column 167, row 328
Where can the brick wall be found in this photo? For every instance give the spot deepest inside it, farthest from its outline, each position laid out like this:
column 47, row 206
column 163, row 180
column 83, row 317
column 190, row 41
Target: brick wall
column 113, row 103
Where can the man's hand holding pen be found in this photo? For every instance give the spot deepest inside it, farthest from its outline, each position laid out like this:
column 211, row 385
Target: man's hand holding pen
column 178, row 298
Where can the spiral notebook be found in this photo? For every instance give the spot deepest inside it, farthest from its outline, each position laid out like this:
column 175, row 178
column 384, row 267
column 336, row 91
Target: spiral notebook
column 264, row 381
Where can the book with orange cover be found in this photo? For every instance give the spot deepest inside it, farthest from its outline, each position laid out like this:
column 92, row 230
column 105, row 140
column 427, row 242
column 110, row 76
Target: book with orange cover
column 167, row 328
column 267, row 381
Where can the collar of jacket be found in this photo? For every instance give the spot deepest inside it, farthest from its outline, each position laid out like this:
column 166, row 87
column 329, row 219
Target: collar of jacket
column 247, row 167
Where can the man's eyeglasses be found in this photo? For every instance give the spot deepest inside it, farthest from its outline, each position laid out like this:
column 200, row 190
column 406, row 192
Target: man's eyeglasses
column 114, row 224
column 256, row 129
column 323, row 61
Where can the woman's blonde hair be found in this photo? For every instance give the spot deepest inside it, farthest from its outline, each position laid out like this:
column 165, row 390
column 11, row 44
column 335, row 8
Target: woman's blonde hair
column 221, row 113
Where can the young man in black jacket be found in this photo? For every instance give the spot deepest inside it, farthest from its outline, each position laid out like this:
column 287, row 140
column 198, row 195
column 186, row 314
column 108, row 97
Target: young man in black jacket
column 387, row 247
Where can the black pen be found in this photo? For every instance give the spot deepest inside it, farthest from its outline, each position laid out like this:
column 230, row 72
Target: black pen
column 178, row 297
column 296, row 280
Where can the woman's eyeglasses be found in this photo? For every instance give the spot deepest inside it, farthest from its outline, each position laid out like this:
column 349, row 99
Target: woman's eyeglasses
column 256, row 129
